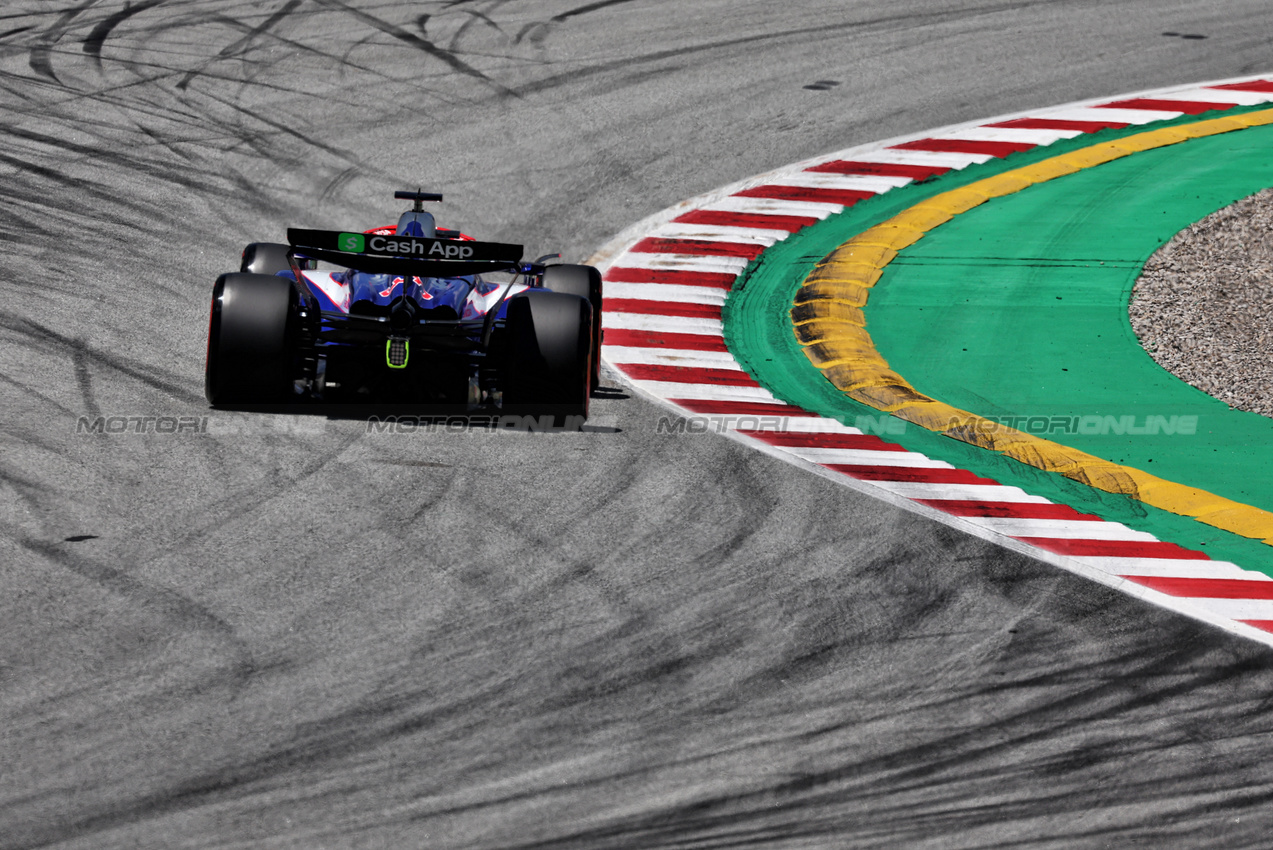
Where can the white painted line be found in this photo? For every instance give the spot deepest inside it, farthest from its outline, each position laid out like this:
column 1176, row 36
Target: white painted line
column 1171, row 567
column 807, row 425
column 1011, row 134
column 662, row 324
column 685, row 262
column 665, row 292
column 773, row 206
column 865, row 457
column 1236, row 609
column 939, row 159
column 720, row 233
column 706, row 392
column 1057, row 528
column 619, row 355
column 851, row 182
column 978, row 492
column 1209, row 95
column 650, row 277
column 1123, row 116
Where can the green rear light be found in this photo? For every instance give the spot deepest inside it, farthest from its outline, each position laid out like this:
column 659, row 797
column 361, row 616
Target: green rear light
column 396, row 353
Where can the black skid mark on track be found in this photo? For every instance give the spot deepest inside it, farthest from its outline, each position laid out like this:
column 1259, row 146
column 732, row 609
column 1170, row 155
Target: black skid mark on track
column 537, row 31
column 95, row 39
column 350, row 732
column 232, row 50
column 104, row 192
column 422, row 23
column 84, row 378
column 590, row 7
column 882, row 23
column 534, row 32
column 240, row 504
column 284, row 128
column 337, row 183
column 164, row 141
column 31, row 392
column 42, row 336
column 40, row 54
column 869, row 779
column 183, row 612
column 422, row 44
column 147, row 75
column 27, row 490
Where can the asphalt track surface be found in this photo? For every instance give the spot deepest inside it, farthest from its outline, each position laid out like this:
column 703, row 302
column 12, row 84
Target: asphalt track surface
column 288, row 632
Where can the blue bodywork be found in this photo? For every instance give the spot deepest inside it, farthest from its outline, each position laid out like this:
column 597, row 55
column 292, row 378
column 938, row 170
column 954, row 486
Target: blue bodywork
column 430, row 293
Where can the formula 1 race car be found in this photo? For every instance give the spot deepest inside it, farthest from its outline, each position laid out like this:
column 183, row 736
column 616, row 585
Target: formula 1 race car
column 410, row 314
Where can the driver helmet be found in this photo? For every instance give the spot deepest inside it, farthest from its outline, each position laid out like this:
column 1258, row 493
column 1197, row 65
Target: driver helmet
column 412, row 223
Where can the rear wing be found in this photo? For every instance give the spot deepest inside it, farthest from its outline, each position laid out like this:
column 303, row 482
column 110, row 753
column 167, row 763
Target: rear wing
column 403, row 254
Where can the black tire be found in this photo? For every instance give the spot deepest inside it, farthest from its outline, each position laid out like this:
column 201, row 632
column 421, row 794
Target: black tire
column 251, row 340
column 584, row 281
column 549, row 356
column 265, row 258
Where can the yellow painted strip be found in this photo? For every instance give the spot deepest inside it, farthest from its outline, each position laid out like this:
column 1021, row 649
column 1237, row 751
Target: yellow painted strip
column 830, row 325
column 828, row 311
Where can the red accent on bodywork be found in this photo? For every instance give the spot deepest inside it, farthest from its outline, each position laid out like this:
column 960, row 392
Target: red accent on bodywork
column 392, row 230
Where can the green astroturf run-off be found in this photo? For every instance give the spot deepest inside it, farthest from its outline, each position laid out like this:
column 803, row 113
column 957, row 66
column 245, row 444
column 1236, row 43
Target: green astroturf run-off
column 1017, row 311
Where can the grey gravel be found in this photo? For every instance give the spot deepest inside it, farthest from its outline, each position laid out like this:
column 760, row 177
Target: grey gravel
column 1203, row 307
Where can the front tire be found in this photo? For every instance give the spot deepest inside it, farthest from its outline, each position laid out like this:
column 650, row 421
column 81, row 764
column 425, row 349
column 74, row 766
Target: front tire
column 251, row 340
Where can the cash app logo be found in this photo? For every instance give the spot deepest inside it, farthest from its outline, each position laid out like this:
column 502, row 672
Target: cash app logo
column 353, row 242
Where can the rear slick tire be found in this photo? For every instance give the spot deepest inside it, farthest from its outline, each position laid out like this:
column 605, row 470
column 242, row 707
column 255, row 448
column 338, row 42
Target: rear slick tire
column 265, row 258
column 584, row 281
column 550, row 353
column 251, row 340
